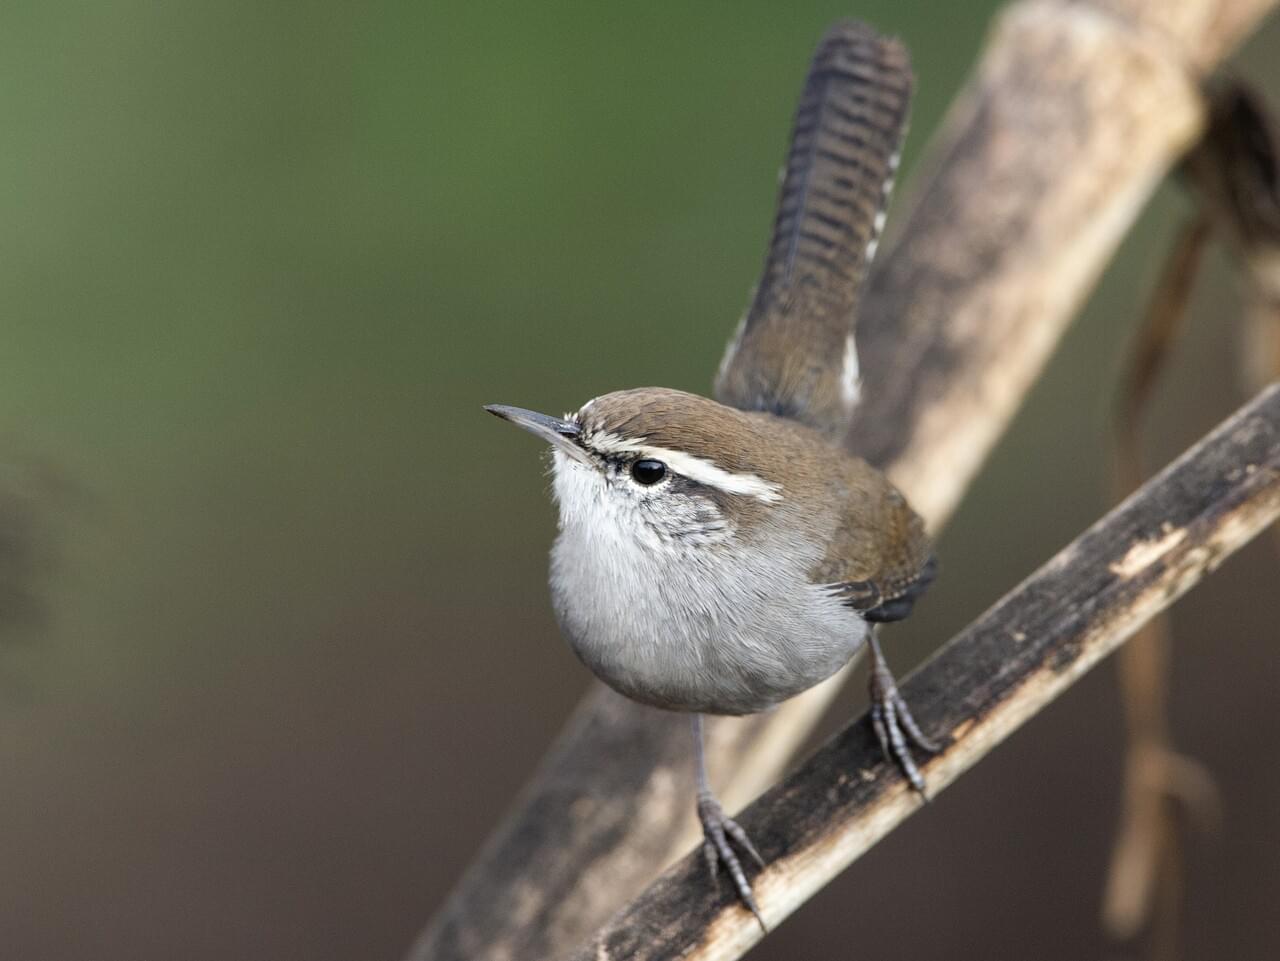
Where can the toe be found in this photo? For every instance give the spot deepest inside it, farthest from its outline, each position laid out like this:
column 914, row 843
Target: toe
column 712, row 860
column 740, row 836
column 718, row 829
column 913, row 729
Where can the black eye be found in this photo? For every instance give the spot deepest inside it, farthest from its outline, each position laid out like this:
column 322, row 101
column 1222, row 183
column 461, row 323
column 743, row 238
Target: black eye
column 648, row 471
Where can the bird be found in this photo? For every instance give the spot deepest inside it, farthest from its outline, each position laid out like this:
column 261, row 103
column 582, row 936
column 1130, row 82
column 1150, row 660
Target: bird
column 719, row 555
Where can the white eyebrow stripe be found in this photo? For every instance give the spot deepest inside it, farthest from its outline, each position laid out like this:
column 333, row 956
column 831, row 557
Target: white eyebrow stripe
column 695, row 468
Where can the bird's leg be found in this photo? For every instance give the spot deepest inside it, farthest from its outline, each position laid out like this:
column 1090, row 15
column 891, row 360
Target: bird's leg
column 718, row 829
column 891, row 717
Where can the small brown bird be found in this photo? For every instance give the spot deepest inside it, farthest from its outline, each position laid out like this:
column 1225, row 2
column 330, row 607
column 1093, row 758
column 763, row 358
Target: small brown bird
column 720, row 556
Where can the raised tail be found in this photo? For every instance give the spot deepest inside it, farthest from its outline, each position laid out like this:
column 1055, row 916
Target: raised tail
column 793, row 353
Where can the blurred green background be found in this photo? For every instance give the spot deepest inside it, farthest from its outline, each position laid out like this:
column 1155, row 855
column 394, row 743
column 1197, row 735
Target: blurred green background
column 275, row 648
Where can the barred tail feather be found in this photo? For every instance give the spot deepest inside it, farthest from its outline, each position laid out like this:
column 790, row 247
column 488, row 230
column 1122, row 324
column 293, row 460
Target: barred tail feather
column 793, row 354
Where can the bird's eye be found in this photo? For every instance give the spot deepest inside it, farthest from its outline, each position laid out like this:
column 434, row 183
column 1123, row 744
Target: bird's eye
column 648, row 471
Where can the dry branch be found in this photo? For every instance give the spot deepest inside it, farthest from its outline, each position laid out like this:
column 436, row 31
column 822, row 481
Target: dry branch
column 985, row 683
column 1074, row 114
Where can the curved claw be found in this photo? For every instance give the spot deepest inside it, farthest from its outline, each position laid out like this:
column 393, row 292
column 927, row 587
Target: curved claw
column 890, row 717
column 718, row 829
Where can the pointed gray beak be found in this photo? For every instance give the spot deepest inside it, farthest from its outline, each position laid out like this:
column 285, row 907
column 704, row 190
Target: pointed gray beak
column 556, row 431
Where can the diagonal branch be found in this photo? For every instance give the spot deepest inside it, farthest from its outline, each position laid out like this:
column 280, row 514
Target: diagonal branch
column 1072, row 117
column 983, row 685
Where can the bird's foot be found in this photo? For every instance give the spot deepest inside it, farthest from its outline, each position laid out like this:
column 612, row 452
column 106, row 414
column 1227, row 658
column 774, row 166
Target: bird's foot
column 718, row 831
column 893, row 723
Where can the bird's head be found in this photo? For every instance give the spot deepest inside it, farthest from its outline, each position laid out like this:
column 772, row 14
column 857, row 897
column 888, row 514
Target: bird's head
column 660, row 462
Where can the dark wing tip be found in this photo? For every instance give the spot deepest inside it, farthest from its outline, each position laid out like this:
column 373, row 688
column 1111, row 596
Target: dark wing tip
column 896, row 608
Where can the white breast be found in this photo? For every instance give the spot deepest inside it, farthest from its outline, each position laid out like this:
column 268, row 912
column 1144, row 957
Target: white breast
column 697, row 624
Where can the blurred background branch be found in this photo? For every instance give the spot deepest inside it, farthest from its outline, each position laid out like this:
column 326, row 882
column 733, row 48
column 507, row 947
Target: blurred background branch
column 1161, row 786
column 1073, row 115
column 38, row 502
column 1234, row 173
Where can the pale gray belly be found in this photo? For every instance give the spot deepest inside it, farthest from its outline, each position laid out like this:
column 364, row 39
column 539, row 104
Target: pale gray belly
column 700, row 636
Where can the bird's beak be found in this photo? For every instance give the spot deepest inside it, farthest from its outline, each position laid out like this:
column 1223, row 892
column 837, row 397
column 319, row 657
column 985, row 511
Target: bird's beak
column 557, row 431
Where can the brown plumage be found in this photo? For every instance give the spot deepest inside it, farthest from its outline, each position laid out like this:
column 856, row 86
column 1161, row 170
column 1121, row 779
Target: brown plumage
column 880, row 555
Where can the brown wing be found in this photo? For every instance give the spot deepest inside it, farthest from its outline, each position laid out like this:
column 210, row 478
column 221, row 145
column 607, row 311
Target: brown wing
column 880, row 576
column 793, row 354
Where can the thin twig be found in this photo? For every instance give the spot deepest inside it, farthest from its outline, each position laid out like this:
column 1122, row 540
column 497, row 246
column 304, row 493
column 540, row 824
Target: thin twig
column 1146, row 855
column 1235, row 172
